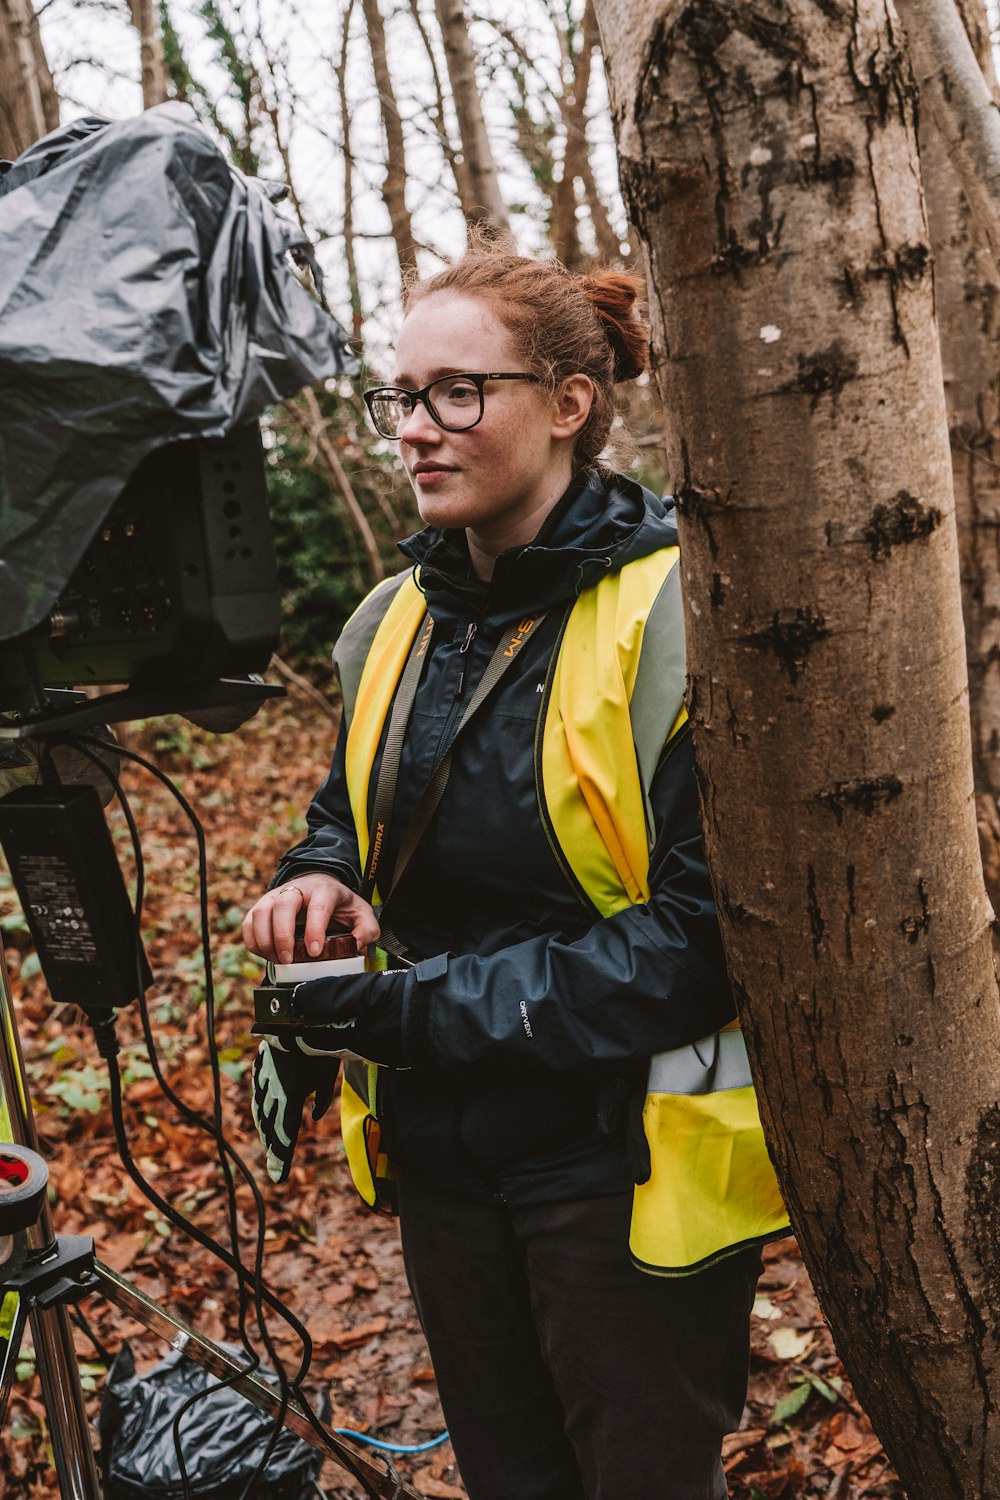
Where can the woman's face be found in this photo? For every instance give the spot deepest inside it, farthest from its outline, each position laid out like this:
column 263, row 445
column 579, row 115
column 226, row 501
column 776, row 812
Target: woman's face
column 500, row 478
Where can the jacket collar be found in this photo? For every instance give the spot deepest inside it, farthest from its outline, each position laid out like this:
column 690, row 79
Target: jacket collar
column 600, row 523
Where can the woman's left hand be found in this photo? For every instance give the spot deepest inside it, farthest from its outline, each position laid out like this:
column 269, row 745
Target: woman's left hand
column 361, row 1013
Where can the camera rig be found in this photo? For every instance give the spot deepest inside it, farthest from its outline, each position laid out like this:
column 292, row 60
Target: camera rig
column 137, row 350
column 176, row 595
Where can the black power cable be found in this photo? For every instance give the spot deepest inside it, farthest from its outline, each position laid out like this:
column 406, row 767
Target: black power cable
column 215, row 1131
column 108, row 1047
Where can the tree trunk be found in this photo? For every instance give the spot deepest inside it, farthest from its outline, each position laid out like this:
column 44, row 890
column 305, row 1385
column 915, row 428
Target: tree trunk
column 315, row 428
column 456, row 159
column 487, row 205
column 967, row 292
column 573, row 108
column 394, row 183
column 154, row 69
column 769, row 159
column 29, row 105
column 965, row 112
column 608, row 246
column 350, row 257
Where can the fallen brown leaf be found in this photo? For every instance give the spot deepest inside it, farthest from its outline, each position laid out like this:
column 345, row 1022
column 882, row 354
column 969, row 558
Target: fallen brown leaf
column 436, row 1489
column 119, row 1253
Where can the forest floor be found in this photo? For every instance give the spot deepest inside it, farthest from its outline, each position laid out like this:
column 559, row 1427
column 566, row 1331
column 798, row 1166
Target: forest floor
column 335, row 1264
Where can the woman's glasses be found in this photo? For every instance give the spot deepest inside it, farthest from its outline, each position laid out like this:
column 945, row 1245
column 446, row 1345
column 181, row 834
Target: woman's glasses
column 455, row 402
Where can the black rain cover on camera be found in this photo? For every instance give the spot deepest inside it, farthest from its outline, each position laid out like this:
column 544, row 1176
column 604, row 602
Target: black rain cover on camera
column 146, row 294
column 223, row 1437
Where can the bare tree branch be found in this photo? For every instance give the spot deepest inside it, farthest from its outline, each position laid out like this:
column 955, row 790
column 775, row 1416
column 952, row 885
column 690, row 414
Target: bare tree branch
column 304, row 686
column 310, row 421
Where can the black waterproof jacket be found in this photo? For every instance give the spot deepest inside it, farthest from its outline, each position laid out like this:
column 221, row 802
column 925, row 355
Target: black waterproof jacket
column 531, row 1022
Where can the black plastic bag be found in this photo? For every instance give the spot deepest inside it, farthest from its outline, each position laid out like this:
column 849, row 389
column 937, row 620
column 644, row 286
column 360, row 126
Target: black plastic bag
column 223, row 1437
column 146, row 294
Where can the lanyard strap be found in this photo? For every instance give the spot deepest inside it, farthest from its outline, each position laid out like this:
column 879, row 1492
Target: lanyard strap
column 385, row 790
column 507, row 650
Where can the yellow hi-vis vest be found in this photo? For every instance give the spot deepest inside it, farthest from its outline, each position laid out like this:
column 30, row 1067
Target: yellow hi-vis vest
column 616, row 678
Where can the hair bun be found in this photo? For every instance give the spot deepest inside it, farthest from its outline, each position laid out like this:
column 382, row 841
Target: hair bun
column 614, row 297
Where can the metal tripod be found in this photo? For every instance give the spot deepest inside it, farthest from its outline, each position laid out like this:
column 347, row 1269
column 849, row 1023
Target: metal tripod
column 69, row 1430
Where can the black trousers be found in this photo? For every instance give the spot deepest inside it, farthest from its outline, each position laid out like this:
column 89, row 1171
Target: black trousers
column 565, row 1373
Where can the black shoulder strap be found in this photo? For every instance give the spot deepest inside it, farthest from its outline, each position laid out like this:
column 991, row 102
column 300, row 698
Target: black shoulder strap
column 385, row 790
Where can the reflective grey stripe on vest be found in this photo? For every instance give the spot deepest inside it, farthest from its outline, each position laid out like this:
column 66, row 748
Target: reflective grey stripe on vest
column 351, row 650
column 659, row 683
column 707, row 1067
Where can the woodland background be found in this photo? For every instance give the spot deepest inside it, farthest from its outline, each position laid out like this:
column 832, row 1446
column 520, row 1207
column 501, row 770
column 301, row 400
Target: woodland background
column 393, row 124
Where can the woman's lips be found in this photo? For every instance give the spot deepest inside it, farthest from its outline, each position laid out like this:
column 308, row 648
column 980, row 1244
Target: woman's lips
column 431, row 475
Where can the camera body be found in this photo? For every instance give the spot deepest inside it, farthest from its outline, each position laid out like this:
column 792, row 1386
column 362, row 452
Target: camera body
column 179, row 582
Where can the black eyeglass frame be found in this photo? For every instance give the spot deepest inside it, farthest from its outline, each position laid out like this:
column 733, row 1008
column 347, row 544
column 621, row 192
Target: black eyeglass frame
column 478, row 378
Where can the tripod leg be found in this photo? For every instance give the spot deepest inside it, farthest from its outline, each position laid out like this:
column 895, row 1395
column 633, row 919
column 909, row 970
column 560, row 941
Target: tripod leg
column 55, row 1357
column 13, row 1318
column 259, row 1392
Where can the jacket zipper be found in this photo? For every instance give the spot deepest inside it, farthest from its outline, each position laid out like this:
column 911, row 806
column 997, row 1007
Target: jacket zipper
column 463, row 651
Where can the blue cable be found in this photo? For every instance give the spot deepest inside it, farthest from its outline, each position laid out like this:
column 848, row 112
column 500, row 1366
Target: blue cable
column 362, row 1437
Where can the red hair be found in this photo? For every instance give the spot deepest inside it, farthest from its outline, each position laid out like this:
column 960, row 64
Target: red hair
column 562, row 323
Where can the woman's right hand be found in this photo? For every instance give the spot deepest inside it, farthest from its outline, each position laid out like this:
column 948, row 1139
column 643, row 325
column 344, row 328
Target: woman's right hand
column 269, row 925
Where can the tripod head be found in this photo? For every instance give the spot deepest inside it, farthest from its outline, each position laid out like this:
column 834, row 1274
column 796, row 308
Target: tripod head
column 23, row 1180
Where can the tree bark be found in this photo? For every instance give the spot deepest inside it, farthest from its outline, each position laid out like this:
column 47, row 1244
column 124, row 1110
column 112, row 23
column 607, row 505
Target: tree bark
column 29, row 105
column 952, row 83
column 154, row 68
column 394, row 183
column 769, row 159
column 967, row 292
column 488, row 207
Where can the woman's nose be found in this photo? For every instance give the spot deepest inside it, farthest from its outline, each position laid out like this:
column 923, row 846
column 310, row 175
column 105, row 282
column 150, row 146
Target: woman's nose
column 418, row 425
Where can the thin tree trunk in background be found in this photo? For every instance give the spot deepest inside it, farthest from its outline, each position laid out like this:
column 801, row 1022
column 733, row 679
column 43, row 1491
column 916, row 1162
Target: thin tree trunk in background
column 573, row 108
column 354, row 286
column 607, row 241
column 29, row 105
column 312, row 424
column 488, row 206
column 967, row 290
column 455, row 159
column 608, row 246
column 394, row 183
column 769, row 159
column 965, row 113
column 154, row 69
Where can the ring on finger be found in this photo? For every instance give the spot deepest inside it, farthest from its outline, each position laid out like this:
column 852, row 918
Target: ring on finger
column 286, row 890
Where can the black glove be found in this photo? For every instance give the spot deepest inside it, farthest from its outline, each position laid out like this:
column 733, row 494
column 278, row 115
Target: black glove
column 284, row 1076
column 360, row 1013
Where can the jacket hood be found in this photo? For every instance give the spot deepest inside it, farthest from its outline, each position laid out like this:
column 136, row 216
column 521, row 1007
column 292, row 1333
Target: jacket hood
column 599, row 524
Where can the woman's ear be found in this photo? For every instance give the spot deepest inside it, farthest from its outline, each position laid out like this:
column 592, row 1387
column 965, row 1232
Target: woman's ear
column 572, row 401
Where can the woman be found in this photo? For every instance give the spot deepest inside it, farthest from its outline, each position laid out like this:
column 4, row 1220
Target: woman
column 515, row 772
